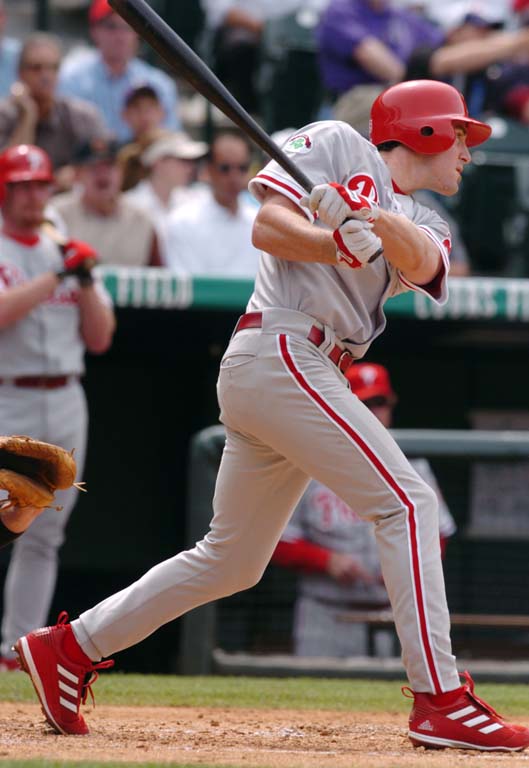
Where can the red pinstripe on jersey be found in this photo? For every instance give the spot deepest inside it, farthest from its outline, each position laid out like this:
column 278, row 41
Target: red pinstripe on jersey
column 397, row 489
column 275, row 182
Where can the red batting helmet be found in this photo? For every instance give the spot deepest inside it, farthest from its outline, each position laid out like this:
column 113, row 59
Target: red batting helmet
column 368, row 380
column 23, row 162
column 421, row 114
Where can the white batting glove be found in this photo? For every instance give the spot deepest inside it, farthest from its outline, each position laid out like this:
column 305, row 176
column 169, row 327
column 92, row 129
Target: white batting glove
column 356, row 244
column 335, row 203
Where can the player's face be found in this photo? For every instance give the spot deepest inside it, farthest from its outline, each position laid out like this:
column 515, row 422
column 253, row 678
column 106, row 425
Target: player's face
column 443, row 172
column 25, row 203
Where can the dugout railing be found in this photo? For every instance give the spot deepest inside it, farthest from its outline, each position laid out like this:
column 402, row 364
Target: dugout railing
column 199, row 648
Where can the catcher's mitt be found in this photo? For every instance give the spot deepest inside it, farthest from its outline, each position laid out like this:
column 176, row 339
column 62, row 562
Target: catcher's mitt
column 31, row 471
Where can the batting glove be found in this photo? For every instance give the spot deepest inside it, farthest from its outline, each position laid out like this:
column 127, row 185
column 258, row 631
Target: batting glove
column 356, row 244
column 79, row 258
column 335, row 203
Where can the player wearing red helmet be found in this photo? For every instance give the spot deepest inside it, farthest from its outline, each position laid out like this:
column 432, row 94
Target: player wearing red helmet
column 423, row 115
column 317, row 305
column 50, row 311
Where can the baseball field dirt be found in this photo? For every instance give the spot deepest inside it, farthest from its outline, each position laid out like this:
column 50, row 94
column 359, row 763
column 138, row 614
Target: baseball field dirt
column 220, row 736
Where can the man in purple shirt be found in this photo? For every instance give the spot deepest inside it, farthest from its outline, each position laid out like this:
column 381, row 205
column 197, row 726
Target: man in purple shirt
column 364, row 42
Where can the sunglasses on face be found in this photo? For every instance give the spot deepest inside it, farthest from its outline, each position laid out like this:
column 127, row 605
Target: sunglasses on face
column 40, row 66
column 227, row 167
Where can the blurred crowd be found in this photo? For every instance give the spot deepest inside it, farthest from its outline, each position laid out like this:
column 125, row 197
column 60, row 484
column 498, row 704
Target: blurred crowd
column 147, row 182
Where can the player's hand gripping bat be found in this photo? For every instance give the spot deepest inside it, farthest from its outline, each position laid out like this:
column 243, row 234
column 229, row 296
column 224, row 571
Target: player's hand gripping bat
column 183, row 61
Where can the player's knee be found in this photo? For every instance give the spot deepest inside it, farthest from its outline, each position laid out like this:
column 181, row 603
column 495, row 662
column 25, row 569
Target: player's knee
column 427, row 503
column 244, row 577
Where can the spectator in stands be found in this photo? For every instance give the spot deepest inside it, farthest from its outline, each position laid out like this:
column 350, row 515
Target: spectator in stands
column 365, row 45
column 35, row 114
column 474, row 40
column 368, row 44
column 334, row 550
column 235, row 29
column 98, row 213
column 171, row 165
column 144, row 114
column 212, row 235
column 105, row 76
column 9, row 53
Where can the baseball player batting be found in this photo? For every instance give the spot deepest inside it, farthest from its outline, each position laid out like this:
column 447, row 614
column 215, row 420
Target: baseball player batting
column 290, row 415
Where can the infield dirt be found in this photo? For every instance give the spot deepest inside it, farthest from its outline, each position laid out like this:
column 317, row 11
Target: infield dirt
column 257, row 738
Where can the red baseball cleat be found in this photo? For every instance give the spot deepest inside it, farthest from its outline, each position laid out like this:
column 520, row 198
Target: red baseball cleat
column 462, row 720
column 61, row 674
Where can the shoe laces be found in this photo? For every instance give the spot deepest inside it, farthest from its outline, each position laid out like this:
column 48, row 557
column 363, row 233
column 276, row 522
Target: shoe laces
column 92, row 674
column 469, row 685
column 62, row 618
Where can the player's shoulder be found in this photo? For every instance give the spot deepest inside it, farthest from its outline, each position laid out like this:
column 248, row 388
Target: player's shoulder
column 329, row 130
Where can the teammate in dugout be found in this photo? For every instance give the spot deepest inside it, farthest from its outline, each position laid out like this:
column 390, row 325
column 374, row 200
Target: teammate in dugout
column 51, row 310
column 289, row 414
column 334, row 551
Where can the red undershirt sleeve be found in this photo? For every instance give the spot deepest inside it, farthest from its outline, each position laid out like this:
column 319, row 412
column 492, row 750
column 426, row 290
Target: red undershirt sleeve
column 301, row 554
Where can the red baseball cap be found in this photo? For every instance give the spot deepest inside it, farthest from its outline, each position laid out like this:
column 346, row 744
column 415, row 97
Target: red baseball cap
column 99, row 10
column 369, row 380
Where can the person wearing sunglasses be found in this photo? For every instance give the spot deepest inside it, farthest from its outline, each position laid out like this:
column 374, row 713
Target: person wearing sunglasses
column 34, row 113
column 211, row 234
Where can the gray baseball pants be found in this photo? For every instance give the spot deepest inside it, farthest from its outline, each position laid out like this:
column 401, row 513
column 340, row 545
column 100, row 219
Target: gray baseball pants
column 289, row 416
column 56, row 416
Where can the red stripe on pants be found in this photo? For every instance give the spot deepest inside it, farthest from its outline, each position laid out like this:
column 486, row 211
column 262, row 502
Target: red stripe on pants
column 375, row 461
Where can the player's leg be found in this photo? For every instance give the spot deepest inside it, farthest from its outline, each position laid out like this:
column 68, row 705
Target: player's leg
column 57, row 416
column 256, row 490
column 339, row 442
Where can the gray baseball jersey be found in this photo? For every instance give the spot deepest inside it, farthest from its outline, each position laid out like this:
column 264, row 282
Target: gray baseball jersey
column 350, row 301
column 47, row 340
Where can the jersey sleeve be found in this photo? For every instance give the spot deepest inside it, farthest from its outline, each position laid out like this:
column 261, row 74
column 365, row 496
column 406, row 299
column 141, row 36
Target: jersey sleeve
column 319, row 151
column 436, row 228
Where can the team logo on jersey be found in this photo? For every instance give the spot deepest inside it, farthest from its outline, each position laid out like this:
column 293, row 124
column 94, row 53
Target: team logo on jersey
column 299, row 143
column 10, row 275
column 364, row 184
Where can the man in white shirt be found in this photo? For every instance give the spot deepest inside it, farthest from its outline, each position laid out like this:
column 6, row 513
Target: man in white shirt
column 211, row 234
column 172, row 165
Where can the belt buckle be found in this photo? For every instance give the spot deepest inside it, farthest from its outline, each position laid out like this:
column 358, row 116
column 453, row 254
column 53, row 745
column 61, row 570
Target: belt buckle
column 345, row 360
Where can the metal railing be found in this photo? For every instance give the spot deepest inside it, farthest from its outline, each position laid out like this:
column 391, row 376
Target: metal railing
column 198, row 630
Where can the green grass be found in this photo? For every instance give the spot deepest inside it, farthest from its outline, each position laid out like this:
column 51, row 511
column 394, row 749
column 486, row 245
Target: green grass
column 114, row 688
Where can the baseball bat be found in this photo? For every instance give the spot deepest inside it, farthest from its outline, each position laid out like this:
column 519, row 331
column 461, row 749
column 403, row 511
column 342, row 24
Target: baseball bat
column 184, row 62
